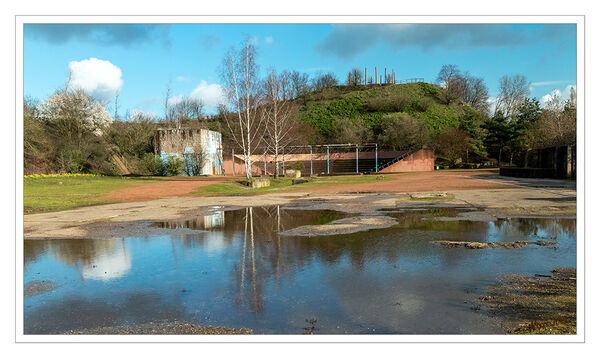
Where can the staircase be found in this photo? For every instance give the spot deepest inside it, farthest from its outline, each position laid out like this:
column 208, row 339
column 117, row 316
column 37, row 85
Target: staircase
column 396, row 160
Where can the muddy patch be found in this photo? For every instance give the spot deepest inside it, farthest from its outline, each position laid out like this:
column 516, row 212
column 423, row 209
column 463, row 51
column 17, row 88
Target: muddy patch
column 343, row 226
column 493, row 245
column 163, row 328
column 34, row 288
column 543, row 304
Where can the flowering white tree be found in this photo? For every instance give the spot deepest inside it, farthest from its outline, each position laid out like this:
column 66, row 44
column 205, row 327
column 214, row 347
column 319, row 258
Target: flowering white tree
column 74, row 112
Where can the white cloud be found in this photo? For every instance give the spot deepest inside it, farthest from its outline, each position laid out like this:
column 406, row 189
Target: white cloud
column 182, row 79
column 564, row 95
column 269, row 39
column 95, row 77
column 547, row 83
column 175, row 99
column 139, row 112
column 210, row 94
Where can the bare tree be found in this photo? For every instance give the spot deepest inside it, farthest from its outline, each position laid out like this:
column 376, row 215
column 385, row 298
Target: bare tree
column 573, row 97
column 186, row 110
column 242, row 86
column 513, row 91
column 278, row 111
column 471, row 90
column 300, row 83
column 447, row 74
column 324, row 81
column 476, row 94
column 116, row 118
column 167, row 97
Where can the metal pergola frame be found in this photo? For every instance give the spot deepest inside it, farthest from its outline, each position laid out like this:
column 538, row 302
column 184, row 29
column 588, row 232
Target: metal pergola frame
column 357, row 146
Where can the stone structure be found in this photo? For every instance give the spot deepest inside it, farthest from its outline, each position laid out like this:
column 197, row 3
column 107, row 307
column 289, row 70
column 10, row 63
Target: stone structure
column 200, row 150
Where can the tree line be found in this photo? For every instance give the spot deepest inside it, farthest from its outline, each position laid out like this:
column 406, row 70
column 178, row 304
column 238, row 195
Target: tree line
column 71, row 131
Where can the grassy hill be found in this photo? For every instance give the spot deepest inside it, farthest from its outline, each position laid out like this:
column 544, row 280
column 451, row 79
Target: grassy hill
column 370, row 105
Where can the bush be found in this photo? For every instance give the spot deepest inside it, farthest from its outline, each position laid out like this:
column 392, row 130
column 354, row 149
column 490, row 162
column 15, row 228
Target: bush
column 71, row 161
column 150, row 164
column 398, row 103
column 401, row 131
column 421, row 105
column 174, row 166
column 298, row 166
column 453, row 145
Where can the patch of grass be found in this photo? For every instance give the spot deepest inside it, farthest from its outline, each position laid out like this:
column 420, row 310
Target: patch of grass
column 286, row 184
column 535, row 305
column 63, row 193
column 548, row 327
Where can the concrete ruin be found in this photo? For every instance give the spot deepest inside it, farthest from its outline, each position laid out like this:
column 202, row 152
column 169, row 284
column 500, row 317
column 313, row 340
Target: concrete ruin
column 200, row 150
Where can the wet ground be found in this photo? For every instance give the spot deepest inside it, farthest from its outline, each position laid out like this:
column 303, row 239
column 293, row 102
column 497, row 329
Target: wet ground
column 233, row 269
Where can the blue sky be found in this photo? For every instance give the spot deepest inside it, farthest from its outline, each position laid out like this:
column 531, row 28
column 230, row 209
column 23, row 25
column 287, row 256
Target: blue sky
column 140, row 59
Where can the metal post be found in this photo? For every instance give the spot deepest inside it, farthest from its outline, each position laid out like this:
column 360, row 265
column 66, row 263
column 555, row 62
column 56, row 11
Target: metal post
column 233, row 162
column 311, row 168
column 376, row 166
column 357, row 158
column 283, row 159
column 265, row 163
column 327, row 159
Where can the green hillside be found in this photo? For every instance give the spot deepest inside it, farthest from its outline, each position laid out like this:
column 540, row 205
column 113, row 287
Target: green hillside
column 369, row 106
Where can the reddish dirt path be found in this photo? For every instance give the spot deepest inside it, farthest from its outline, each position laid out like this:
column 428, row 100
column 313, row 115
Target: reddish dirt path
column 162, row 189
column 410, row 182
column 419, row 182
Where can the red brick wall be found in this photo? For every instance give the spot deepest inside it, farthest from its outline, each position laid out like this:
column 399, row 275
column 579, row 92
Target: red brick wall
column 240, row 166
column 420, row 161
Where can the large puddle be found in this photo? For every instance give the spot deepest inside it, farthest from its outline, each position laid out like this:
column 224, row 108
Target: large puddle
column 233, row 269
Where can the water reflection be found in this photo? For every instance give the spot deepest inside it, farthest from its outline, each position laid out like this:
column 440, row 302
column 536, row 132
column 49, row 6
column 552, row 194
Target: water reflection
column 103, row 259
column 394, row 280
column 207, row 222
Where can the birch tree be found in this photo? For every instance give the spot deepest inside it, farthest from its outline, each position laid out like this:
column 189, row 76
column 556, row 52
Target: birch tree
column 513, row 92
column 278, row 111
column 242, row 87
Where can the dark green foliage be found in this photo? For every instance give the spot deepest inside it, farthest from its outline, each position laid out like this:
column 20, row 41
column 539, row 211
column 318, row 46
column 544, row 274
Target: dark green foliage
column 359, row 107
column 173, row 166
column 322, row 118
column 499, row 134
column 472, row 122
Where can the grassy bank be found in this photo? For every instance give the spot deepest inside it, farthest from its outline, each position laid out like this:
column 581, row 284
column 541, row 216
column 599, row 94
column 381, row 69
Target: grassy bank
column 235, row 188
column 46, row 194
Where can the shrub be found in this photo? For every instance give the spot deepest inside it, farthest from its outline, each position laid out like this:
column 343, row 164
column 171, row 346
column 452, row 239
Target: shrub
column 421, row 105
column 298, row 166
column 150, row 164
column 71, row 161
column 398, row 103
column 401, row 131
column 174, row 166
column 453, row 144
